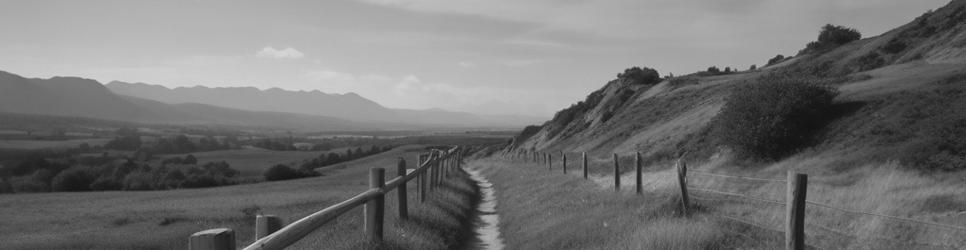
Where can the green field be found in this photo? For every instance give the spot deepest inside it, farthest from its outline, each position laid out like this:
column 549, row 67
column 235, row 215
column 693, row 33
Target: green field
column 165, row 219
column 53, row 144
column 251, row 162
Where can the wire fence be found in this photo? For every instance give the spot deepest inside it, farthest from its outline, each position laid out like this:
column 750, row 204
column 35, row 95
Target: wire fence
column 952, row 239
column 856, row 232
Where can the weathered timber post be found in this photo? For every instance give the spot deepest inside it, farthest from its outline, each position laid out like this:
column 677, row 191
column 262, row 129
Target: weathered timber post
column 549, row 161
column 563, row 158
column 640, row 183
column 584, row 156
column 617, row 174
column 432, row 173
column 212, row 239
column 266, row 224
column 795, row 207
column 401, row 190
column 683, row 182
column 376, row 206
column 422, row 181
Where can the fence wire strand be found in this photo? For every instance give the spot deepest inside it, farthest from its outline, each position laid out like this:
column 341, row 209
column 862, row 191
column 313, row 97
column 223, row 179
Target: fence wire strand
column 884, row 216
column 735, row 176
column 739, row 195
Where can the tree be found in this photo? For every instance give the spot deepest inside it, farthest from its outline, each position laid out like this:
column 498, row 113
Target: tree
column 753, row 67
column 638, row 75
column 830, row 37
column 72, row 179
column 777, row 59
column 280, row 172
column 713, row 70
column 190, row 160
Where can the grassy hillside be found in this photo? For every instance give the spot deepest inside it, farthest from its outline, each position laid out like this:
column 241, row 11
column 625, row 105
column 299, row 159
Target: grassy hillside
column 891, row 144
column 165, row 219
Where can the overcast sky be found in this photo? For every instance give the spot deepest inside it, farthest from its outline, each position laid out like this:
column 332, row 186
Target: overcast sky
column 483, row 56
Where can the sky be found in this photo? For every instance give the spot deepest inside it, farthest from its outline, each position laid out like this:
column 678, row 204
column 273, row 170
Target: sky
column 482, row 56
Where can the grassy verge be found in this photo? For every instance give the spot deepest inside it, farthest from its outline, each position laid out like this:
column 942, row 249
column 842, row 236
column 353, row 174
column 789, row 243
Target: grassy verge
column 548, row 210
column 165, row 219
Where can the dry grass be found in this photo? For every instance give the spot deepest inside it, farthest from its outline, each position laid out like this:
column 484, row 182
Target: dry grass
column 548, row 210
column 164, row 219
column 885, row 188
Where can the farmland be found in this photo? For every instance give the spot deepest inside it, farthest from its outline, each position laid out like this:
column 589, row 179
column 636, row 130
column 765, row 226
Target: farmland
column 164, row 219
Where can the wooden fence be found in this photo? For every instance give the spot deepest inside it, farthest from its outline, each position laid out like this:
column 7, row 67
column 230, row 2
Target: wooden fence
column 795, row 196
column 269, row 230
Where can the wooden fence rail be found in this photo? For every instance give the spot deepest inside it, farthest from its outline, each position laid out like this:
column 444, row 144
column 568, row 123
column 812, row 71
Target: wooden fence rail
column 269, row 233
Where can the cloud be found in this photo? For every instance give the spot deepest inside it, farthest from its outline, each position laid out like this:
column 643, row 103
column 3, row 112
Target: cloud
column 467, row 64
column 523, row 62
column 328, row 75
column 287, row 53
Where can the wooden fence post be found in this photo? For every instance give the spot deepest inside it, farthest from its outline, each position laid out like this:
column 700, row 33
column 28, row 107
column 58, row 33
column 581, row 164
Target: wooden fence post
column 584, row 156
column 795, row 207
column 563, row 158
column 683, row 181
column 212, row 239
column 640, row 183
column 266, row 224
column 549, row 161
column 422, row 183
column 375, row 207
column 617, row 174
column 432, row 173
column 401, row 190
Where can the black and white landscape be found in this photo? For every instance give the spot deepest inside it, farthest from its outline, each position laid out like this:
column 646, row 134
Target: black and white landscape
column 464, row 124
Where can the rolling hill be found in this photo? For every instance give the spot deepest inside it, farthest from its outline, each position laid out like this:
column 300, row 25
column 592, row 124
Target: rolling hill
column 348, row 106
column 78, row 97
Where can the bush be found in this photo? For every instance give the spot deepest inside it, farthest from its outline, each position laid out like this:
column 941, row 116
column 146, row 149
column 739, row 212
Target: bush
column 280, row 172
column 773, row 116
column 830, row 37
column 73, row 179
column 200, row 181
column 283, row 172
column 777, row 59
column 139, row 181
column 638, row 75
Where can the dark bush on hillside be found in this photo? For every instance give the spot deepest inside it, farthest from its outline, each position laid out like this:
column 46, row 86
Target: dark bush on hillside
column 72, row 179
column 830, row 37
column 894, row 46
column 772, row 117
column 638, row 75
column 200, row 181
column 777, row 59
column 283, row 172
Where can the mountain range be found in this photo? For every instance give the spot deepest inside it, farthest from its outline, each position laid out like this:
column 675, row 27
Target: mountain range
column 241, row 106
column 348, row 106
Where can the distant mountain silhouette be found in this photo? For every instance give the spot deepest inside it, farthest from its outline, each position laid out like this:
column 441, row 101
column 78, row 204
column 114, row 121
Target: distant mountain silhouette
column 348, row 106
column 79, row 97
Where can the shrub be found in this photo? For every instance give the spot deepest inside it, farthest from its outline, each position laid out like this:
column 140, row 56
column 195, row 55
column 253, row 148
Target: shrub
column 106, row 183
column 772, row 116
column 777, row 59
column 139, row 181
column 894, row 46
column 830, row 37
column 190, row 160
column 73, row 179
column 280, row 172
column 27, row 184
column 638, row 75
column 200, row 181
